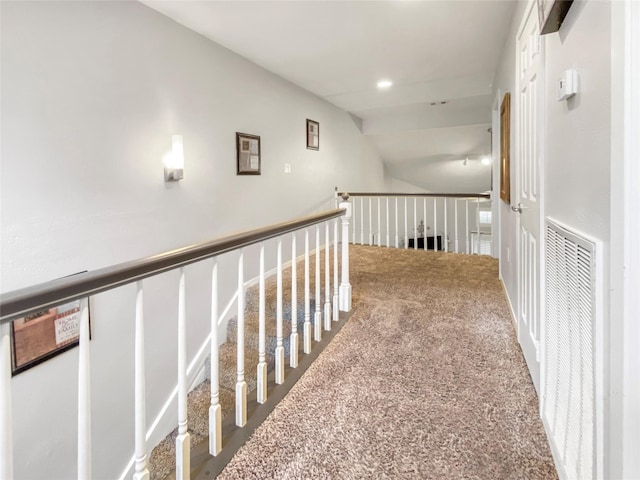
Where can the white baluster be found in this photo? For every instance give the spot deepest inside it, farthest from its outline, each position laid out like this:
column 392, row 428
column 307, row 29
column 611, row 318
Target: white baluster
column 353, row 226
column 345, row 286
column 491, row 252
column 425, row 222
column 317, row 318
column 307, row 302
column 336, row 314
column 293, row 342
column 183, row 440
column 215, row 410
column 467, row 235
column 455, row 219
column 406, row 233
column 415, row 222
column 361, row 220
column 279, row 345
column 446, row 229
column 327, row 280
column 6, row 418
column 370, row 224
column 261, row 389
column 478, row 222
column 84, row 395
column 241, row 385
column 388, row 243
column 397, row 232
column 379, row 227
column 140, row 442
column 435, row 223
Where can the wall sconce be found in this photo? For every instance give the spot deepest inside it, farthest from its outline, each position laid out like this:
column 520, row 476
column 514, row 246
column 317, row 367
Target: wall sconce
column 174, row 160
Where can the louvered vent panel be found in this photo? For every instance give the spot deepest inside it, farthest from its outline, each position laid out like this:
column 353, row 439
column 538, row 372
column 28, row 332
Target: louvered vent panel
column 569, row 406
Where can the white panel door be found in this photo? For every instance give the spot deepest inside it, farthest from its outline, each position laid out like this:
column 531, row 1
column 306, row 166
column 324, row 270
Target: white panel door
column 528, row 162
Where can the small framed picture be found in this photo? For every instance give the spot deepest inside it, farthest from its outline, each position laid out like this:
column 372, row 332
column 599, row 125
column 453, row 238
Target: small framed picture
column 313, row 135
column 43, row 335
column 248, row 154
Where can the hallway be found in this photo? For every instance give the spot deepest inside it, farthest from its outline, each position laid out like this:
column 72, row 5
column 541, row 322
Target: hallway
column 426, row 380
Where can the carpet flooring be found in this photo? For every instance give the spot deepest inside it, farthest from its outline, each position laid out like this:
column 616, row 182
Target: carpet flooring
column 425, row 380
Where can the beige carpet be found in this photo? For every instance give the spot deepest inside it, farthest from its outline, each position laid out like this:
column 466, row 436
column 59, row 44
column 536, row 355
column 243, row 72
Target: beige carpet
column 426, row 380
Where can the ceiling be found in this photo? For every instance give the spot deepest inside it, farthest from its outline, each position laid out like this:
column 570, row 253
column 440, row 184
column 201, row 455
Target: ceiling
column 432, row 51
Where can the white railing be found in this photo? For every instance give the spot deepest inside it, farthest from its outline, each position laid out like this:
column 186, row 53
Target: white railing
column 20, row 303
column 459, row 223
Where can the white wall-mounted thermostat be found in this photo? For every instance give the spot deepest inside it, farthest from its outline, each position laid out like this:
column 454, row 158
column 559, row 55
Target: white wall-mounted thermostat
column 567, row 85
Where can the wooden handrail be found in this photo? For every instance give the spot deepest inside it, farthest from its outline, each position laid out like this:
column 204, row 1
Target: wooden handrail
column 24, row 301
column 451, row 195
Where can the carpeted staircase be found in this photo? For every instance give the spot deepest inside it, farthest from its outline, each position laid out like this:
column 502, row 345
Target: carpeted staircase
column 162, row 458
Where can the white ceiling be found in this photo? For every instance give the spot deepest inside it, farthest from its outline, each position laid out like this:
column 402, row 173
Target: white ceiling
column 433, row 51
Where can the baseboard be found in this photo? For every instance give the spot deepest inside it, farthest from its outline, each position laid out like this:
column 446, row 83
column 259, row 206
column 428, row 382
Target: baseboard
column 514, row 318
column 557, row 460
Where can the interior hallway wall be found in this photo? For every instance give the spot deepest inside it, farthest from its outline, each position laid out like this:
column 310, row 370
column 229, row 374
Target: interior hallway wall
column 91, row 94
column 577, row 135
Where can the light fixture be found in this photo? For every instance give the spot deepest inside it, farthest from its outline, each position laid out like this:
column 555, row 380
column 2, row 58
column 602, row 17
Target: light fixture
column 174, row 160
column 486, row 161
column 382, row 84
column 464, row 162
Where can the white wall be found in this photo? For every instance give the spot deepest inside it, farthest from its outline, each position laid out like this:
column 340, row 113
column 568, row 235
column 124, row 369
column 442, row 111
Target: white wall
column 504, row 81
column 577, row 158
column 91, row 92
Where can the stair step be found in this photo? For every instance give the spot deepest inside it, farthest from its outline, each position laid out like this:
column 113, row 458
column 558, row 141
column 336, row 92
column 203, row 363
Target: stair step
column 228, row 361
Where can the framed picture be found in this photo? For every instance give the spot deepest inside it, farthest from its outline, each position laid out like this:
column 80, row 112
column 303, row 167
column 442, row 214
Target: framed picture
column 248, row 154
column 551, row 14
column 43, row 335
column 313, row 135
column 505, row 145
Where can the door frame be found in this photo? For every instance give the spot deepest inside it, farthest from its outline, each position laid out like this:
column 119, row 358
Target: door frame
column 515, row 199
column 622, row 373
column 495, row 178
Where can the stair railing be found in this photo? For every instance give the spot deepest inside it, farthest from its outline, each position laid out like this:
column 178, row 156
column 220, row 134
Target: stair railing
column 20, row 303
column 451, row 222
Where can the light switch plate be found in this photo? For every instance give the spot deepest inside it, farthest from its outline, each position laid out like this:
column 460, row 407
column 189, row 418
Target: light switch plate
column 287, row 168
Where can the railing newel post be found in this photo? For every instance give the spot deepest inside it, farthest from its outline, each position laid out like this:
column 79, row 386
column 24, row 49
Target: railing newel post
column 345, row 286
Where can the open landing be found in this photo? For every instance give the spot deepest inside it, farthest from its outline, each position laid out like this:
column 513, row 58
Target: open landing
column 425, row 380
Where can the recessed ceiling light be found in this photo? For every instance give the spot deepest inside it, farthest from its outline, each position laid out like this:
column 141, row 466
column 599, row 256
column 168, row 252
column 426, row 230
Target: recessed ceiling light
column 384, row 83
column 486, row 161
